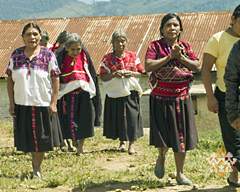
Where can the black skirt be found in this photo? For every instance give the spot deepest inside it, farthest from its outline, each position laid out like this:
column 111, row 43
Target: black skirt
column 122, row 118
column 76, row 115
column 169, row 128
column 35, row 129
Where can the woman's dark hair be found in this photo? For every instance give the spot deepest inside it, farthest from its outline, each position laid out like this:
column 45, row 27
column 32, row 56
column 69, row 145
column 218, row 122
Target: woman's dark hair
column 62, row 37
column 236, row 12
column 166, row 18
column 45, row 35
column 29, row 25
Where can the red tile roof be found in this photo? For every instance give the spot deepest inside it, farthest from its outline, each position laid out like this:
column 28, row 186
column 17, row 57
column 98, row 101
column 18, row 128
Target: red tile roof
column 96, row 32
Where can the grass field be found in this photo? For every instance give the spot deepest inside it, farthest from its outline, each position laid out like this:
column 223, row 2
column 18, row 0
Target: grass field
column 103, row 168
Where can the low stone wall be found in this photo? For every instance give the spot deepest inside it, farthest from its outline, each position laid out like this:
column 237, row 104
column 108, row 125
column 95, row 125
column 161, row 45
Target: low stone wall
column 198, row 96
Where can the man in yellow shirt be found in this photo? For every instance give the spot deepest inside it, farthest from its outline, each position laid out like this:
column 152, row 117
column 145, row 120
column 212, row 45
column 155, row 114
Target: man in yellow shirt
column 216, row 53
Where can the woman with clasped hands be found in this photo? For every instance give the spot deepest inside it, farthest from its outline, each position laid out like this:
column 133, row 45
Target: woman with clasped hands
column 171, row 62
column 119, row 72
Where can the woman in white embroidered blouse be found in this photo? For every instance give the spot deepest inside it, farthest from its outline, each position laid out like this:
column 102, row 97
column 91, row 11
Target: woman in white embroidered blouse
column 33, row 85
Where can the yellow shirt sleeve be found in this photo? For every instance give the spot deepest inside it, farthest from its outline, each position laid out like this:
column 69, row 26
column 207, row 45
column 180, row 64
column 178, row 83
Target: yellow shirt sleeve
column 212, row 47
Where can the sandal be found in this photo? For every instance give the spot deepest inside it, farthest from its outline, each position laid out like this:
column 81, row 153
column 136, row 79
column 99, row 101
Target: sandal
column 63, row 148
column 183, row 181
column 159, row 169
column 131, row 151
column 122, row 147
column 71, row 149
column 36, row 175
column 79, row 152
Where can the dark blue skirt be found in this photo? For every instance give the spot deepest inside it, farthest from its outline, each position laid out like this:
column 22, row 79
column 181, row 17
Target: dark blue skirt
column 122, row 118
column 169, row 128
column 76, row 115
column 35, row 129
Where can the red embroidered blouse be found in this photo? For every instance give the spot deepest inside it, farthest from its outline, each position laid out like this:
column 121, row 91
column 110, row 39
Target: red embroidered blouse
column 129, row 62
column 73, row 68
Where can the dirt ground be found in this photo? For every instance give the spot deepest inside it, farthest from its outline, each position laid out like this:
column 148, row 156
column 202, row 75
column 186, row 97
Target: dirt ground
column 120, row 165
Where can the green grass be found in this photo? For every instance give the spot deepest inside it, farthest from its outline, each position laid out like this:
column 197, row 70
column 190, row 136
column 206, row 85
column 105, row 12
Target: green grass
column 103, row 167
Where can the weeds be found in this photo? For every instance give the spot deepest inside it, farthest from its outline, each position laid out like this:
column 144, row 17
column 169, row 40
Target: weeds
column 102, row 166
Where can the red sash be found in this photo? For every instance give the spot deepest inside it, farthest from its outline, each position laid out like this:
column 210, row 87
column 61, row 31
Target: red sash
column 171, row 89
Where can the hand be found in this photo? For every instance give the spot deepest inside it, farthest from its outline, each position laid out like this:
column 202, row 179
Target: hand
column 236, row 123
column 53, row 108
column 177, row 48
column 212, row 104
column 118, row 74
column 176, row 52
column 11, row 110
column 128, row 74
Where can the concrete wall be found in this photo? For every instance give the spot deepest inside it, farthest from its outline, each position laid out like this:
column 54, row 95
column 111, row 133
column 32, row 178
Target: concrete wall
column 203, row 117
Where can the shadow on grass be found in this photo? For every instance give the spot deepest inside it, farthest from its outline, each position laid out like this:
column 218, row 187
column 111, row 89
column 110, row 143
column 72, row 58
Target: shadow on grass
column 224, row 189
column 143, row 185
column 137, row 185
column 108, row 150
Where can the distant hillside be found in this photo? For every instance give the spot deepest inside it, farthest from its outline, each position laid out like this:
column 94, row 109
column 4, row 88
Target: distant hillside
column 23, row 9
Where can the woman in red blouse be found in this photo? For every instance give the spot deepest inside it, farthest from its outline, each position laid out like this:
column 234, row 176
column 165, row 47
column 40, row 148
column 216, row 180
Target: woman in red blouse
column 171, row 62
column 78, row 88
column 119, row 71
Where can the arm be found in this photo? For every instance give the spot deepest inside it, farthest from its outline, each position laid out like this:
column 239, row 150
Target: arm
column 153, row 61
column 191, row 64
column 55, row 91
column 208, row 62
column 176, row 53
column 106, row 76
column 153, row 65
column 10, row 85
column 139, row 70
column 109, row 76
column 128, row 74
column 232, row 82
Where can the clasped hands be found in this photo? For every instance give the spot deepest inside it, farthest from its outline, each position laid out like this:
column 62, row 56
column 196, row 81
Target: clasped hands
column 176, row 52
column 123, row 74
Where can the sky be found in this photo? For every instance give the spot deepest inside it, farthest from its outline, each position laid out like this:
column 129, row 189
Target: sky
column 91, row 1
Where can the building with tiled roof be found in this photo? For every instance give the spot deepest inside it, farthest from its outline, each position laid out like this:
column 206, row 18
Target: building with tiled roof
column 96, row 32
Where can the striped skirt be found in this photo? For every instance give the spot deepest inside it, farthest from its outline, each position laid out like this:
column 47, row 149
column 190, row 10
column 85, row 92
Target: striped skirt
column 35, row 130
column 172, row 123
column 76, row 115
